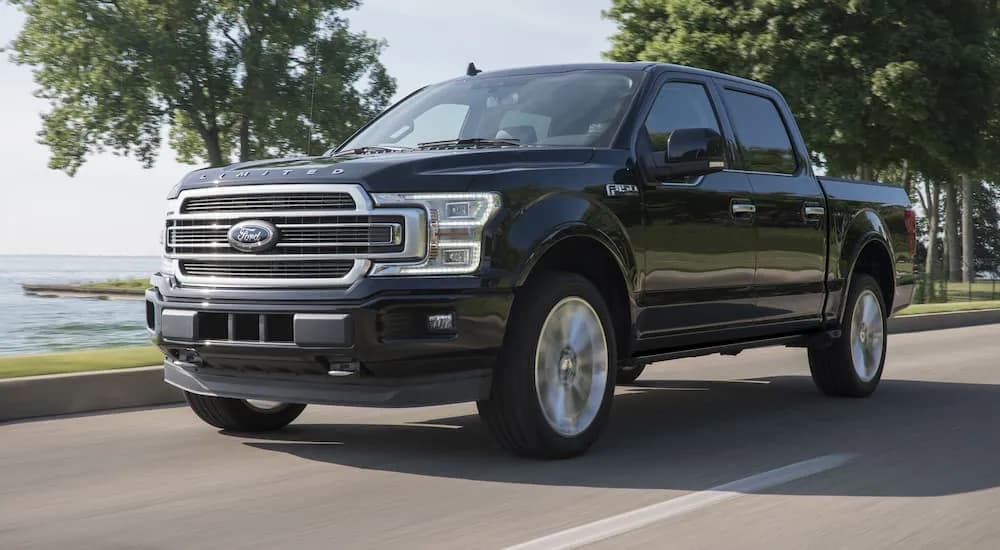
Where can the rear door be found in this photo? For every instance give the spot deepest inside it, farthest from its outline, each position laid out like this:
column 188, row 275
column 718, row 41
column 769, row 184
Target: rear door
column 699, row 240
column 790, row 206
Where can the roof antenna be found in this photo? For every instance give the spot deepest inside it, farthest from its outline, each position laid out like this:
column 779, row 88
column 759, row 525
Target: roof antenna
column 472, row 70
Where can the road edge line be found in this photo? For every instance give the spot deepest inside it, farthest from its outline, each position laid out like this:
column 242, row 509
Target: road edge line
column 943, row 321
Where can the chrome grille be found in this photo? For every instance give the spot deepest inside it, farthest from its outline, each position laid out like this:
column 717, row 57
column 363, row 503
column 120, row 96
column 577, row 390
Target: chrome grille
column 269, row 201
column 297, row 235
column 328, row 235
column 280, row 269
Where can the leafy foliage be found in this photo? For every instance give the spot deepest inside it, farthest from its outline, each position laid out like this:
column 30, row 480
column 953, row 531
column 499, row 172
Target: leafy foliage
column 227, row 77
column 872, row 82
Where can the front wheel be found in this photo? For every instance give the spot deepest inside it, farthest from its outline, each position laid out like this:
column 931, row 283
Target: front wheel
column 243, row 415
column 628, row 374
column 852, row 365
column 553, row 386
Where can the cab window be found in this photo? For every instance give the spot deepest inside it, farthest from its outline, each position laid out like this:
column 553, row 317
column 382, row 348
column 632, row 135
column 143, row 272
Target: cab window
column 765, row 143
column 679, row 105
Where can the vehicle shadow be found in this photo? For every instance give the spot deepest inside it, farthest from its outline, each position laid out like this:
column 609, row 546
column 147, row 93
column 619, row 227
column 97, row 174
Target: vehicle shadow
column 911, row 439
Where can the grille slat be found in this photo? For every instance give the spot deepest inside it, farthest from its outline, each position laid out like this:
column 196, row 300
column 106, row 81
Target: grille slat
column 281, row 269
column 269, row 201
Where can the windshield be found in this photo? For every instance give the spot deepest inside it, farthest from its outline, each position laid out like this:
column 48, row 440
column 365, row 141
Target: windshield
column 577, row 108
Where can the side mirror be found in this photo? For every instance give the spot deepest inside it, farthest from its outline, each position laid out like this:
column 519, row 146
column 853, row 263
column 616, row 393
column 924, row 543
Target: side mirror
column 690, row 152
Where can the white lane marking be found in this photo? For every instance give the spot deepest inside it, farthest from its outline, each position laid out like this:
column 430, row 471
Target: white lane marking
column 589, row 533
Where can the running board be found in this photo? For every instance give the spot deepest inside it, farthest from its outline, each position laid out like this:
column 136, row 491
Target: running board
column 817, row 339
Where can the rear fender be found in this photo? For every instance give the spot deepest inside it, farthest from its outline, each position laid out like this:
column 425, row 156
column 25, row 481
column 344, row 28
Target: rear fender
column 866, row 228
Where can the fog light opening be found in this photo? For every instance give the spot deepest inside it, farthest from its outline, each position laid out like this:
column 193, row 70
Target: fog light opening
column 441, row 322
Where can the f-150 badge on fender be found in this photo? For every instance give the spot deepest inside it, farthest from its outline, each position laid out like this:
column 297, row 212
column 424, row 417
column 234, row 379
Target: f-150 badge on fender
column 617, row 189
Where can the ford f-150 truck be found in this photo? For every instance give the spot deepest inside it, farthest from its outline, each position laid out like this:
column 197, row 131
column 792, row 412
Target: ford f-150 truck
column 526, row 239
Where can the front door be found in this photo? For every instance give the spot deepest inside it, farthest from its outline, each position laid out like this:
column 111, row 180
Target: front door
column 699, row 238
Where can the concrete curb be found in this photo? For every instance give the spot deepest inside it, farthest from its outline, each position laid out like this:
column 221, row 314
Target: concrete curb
column 57, row 394
column 942, row 321
column 52, row 395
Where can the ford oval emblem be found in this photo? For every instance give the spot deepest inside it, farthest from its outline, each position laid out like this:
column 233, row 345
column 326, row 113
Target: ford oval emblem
column 253, row 236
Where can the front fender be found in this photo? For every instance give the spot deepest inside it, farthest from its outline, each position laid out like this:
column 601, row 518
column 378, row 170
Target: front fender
column 541, row 225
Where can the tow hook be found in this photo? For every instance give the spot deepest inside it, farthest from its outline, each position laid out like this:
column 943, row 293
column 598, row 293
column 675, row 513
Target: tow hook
column 344, row 369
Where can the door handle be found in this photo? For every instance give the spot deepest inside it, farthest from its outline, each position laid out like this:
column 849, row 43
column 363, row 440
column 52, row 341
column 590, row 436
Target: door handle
column 813, row 211
column 743, row 209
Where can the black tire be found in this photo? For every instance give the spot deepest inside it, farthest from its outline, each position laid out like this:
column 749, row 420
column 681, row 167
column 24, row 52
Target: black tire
column 514, row 413
column 834, row 369
column 239, row 416
column 629, row 374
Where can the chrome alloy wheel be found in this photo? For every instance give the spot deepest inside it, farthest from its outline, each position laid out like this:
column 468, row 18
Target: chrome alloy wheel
column 263, row 406
column 867, row 336
column 571, row 366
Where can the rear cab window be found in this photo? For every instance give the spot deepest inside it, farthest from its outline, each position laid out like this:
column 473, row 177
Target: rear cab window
column 763, row 137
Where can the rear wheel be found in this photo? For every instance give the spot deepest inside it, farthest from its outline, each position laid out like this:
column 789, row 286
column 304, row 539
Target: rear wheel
column 852, row 365
column 243, row 415
column 553, row 386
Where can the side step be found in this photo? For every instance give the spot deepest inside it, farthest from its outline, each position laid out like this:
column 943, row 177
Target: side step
column 813, row 339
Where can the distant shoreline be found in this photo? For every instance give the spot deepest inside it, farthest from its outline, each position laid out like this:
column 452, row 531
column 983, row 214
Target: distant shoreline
column 129, row 289
column 122, row 256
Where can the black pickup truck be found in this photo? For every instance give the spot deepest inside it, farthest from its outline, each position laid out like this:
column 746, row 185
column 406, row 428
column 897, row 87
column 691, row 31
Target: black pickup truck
column 526, row 239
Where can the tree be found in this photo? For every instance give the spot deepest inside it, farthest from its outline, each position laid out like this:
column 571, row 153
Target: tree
column 225, row 77
column 930, row 200
column 873, row 83
column 952, row 252
column 985, row 209
column 968, row 232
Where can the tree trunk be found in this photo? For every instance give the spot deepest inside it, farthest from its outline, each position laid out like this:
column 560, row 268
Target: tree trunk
column 951, row 247
column 933, row 205
column 244, row 136
column 213, row 147
column 907, row 178
column 968, row 233
column 252, row 52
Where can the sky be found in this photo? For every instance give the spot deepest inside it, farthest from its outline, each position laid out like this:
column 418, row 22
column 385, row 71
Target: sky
column 114, row 207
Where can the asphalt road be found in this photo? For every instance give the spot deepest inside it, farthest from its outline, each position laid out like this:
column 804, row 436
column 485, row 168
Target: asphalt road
column 916, row 466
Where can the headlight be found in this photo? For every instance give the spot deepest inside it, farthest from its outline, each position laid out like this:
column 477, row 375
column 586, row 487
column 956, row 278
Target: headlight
column 166, row 265
column 455, row 224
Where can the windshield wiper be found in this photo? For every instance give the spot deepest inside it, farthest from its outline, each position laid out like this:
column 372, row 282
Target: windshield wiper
column 474, row 142
column 369, row 149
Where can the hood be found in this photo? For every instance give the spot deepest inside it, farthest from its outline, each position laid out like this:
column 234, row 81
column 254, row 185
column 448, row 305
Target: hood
column 449, row 170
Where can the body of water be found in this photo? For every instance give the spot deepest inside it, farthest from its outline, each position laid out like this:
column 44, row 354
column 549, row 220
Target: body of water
column 31, row 324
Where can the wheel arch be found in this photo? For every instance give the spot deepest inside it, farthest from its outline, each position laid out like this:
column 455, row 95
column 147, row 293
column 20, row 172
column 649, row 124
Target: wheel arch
column 578, row 249
column 873, row 256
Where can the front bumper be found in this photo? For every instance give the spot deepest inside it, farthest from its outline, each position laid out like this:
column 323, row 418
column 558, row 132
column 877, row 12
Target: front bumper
column 414, row 391
column 375, row 351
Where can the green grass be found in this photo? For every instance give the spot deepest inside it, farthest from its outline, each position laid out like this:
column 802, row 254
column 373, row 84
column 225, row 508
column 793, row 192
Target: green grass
column 79, row 361
column 979, row 291
column 949, row 307
column 140, row 283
